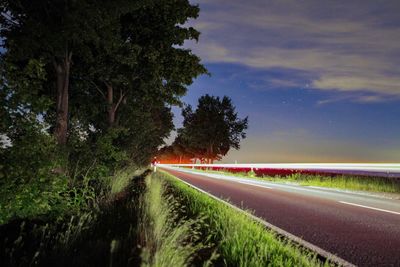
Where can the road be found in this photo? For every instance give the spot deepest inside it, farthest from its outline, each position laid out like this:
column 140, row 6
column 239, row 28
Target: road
column 359, row 228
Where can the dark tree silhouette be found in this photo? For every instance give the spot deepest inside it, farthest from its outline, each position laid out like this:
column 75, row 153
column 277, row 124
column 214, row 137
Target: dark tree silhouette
column 212, row 129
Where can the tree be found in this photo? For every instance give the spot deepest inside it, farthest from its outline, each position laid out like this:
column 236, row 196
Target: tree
column 86, row 88
column 213, row 128
column 138, row 57
column 57, row 33
column 101, row 57
column 177, row 152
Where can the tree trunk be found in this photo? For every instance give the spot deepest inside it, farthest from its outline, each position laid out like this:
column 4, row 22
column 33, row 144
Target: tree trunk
column 63, row 73
column 110, row 106
column 210, row 154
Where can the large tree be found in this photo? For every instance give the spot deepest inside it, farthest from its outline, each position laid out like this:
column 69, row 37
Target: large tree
column 138, row 56
column 102, row 56
column 213, row 128
column 106, row 72
column 57, row 33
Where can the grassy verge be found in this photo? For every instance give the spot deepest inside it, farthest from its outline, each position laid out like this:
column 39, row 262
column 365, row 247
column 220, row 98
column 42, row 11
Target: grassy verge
column 168, row 239
column 239, row 240
column 356, row 183
column 122, row 179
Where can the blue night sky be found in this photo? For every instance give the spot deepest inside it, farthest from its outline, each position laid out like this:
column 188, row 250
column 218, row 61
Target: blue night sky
column 319, row 80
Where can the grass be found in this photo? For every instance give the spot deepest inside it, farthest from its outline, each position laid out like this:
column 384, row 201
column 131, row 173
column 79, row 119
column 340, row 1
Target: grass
column 122, row 178
column 356, row 183
column 168, row 239
column 240, row 240
column 104, row 235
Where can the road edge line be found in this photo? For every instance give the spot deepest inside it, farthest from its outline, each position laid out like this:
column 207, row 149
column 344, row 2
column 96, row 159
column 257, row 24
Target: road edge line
column 325, row 254
column 368, row 207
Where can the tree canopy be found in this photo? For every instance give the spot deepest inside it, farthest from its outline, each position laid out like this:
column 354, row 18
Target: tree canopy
column 211, row 130
column 104, row 64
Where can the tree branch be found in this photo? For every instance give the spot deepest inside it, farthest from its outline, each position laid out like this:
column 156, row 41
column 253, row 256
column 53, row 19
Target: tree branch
column 121, row 97
column 8, row 18
column 98, row 90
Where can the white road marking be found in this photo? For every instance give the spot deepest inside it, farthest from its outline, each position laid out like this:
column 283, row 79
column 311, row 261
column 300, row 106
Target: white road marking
column 372, row 208
column 262, row 186
column 221, row 177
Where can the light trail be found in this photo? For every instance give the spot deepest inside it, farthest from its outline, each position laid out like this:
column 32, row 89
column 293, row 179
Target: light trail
column 379, row 169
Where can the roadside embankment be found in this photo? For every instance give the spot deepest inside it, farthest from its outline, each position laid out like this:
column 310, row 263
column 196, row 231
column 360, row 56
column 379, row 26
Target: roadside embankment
column 237, row 239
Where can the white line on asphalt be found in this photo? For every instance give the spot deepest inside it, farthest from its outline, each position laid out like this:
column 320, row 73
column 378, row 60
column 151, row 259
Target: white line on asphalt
column 262, row 186
column 218, row 176
column 372, row 208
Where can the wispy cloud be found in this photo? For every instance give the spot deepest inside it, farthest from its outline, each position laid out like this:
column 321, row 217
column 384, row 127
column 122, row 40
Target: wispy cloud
column 358, row 98
column 338, row 45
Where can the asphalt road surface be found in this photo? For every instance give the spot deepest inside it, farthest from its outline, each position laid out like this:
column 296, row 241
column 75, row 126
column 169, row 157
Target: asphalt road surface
column 359, row 228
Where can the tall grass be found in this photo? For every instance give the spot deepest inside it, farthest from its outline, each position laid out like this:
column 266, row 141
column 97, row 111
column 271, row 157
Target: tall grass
column 37, row 243
column 104, row 235
column 356, row 183
column 122, row 178
column 168, row 239
column 240, row 240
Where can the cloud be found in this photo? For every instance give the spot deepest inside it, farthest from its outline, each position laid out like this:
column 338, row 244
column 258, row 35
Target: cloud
column 376, row 83
column 337, row 45
column 358, row 98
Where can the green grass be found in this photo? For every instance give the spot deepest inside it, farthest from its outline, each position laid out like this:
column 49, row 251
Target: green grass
column 168, row 240
column 241, row 240
column 107, row 232
column 371, row 184
column 356, row 183
column 122, row 178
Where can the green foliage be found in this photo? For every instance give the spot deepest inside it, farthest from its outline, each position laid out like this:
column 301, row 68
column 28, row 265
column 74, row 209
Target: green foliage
column 212, row 129
column 129, row 47
column 169, row 240
column 371, row 184
column 103, row 236
column 120, row 181
column 29, row 186
column 251, row 173
column 29, row 200
column 75, row 63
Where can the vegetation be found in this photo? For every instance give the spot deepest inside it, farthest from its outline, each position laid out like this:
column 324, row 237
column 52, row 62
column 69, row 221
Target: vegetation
column 356, row 183
column 86, row 89
column 209, row 132
column 160, row 222
column 240, row 241
column 168, row 238
column 373, row 184
column 104, row 235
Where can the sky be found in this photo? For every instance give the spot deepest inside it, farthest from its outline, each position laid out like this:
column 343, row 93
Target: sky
column 319, row 80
